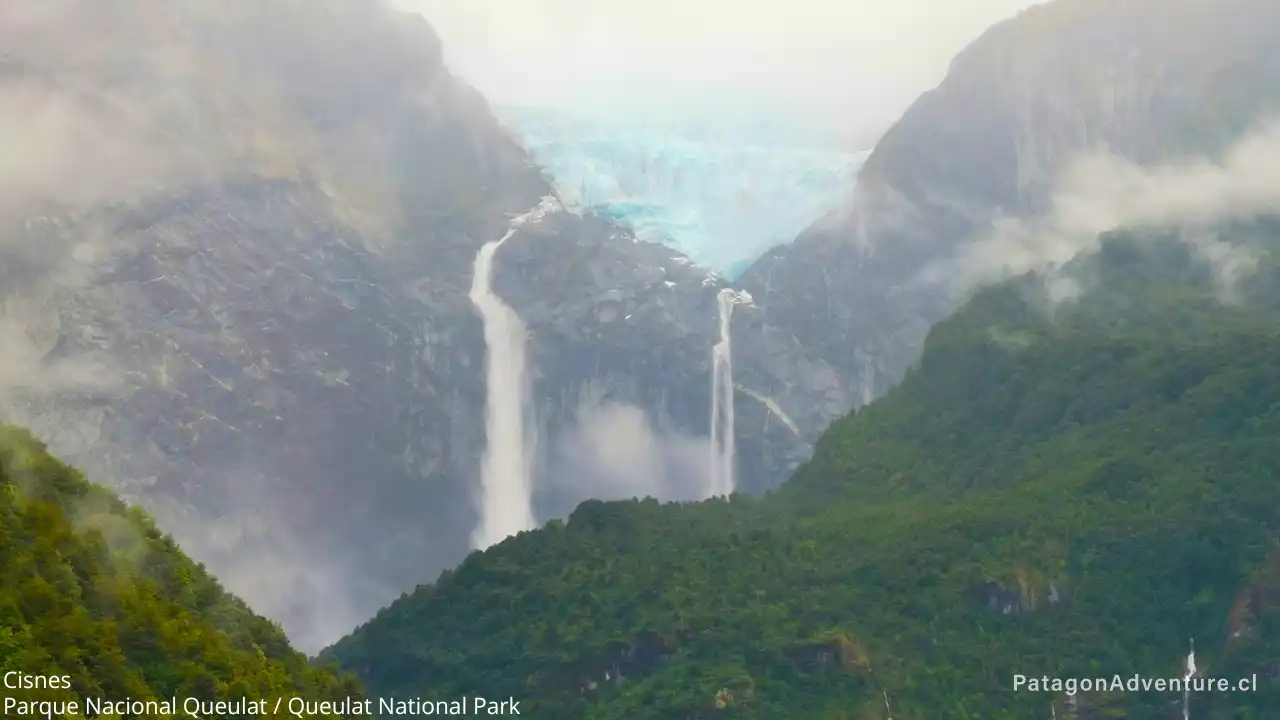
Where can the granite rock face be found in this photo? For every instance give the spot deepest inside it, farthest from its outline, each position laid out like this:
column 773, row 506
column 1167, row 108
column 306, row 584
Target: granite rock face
column 237, row 292
column 1147, row 80
column 247, row 371
column 634, row 322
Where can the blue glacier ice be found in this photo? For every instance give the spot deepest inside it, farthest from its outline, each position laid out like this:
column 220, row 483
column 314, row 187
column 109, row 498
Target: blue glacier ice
column 721, row 191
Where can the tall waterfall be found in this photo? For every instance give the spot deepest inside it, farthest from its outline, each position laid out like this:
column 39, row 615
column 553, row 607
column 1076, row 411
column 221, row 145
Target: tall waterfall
column 722, row 430
column 506, row 491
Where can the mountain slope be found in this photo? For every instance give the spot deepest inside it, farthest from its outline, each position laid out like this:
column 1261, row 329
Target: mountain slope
column 1144, row 80
column 235, row 250
column 1071, row 497
column 213, row 327
column 91, row 590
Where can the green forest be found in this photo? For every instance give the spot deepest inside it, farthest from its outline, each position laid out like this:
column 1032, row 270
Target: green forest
column 1070, row 489
column 1067, row 489
column 90, row 590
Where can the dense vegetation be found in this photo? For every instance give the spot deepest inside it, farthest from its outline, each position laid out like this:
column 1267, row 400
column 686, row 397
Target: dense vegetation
column 91, row 590
column 1071, row 491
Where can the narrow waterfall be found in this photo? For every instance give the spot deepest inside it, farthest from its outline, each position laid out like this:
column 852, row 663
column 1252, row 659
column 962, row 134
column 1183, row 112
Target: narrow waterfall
column 722, row 479
column 506, row 490
column 868, row 378
column 1186, row 681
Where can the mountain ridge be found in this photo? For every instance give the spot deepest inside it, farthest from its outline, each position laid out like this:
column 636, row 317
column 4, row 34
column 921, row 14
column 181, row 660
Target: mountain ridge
column 1070, row 483
column 989, row 144
column 238, row 250
column 1013, row 506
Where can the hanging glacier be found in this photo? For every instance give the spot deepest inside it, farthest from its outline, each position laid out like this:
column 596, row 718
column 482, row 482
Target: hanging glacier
column 723, row 191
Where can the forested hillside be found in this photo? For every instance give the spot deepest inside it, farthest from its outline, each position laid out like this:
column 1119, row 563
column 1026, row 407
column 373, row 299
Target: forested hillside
column 91, row 590
column 1071, row 490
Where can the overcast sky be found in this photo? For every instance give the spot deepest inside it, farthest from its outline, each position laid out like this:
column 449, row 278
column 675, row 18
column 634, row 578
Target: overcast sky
column 867, row 56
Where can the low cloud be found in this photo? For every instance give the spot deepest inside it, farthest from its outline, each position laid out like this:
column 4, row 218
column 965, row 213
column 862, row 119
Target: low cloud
column 1098, row 193
column 28, row 361
column 285, row 579
column 871, row 212
column 858, row 62
column 61, row 150
column 97, row 107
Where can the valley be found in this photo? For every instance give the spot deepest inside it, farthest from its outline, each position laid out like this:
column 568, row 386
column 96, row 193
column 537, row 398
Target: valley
column 633, row 416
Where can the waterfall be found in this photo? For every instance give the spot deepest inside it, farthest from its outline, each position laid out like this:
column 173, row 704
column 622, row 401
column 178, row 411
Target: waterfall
column 867, row 379
column 506, row 491
column 1186, row 681
column 722, row 430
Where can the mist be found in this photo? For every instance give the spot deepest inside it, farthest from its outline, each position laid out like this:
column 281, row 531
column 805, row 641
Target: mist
column 858, row 62
column 100, row 113
column 613, row 451
column 1100, row 192
column 287, row 580
column 71, row 141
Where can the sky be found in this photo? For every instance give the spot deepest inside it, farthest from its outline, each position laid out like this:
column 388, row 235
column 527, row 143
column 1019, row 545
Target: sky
column 858, row 58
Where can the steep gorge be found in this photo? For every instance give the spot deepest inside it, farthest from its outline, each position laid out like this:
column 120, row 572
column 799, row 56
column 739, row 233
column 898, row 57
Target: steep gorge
column 1062, row 482
column 265, row 337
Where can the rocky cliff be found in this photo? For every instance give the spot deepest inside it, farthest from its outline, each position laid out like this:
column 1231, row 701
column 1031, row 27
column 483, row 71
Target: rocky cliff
column 1145, row 80
column 238, row 244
